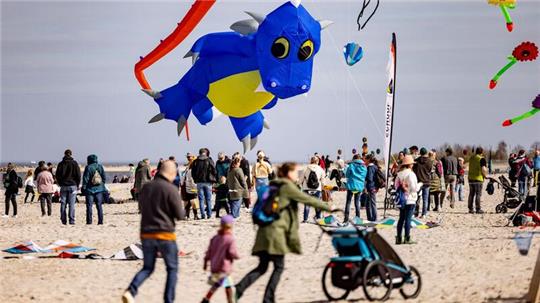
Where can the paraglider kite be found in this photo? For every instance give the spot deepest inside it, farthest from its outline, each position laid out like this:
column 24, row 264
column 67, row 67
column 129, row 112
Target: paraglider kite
column 240, row 73
column 526, row 51
column 353, row 53
column 532, row 112
column 505, row 5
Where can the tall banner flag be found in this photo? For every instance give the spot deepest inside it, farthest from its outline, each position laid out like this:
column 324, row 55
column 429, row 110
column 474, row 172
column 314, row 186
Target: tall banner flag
column 389, row 112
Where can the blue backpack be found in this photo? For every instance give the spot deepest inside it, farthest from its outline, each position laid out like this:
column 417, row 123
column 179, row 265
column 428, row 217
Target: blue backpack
column 266, row 209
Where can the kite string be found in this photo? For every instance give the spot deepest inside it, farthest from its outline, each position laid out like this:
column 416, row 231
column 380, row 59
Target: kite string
column 361, row 14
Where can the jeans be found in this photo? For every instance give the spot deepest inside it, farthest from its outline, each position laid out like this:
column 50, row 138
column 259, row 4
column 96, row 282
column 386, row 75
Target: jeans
column 252, row 276
column 405, row 216
column 45, row 200
column 169, row 252
column 348, row 204
column 204, row 192
column 459, row 191
column 222, row 204
column 67, row 196
column 235, row 207
column 450, row 181
column 370, row 198
column 11, row 197
column 523, row 186
column 90, row 199
column 259, row 182
column 425, row 199
column 318, row 213
column 475, row 195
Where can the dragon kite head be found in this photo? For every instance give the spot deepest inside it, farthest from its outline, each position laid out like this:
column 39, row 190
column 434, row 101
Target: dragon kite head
column 286, row 41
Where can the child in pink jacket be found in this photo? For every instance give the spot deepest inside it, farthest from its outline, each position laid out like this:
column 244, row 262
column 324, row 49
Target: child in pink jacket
column 221, row 253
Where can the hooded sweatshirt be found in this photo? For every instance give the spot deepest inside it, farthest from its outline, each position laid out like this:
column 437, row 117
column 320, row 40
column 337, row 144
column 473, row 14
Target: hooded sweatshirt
column 422, row 169
column 356, row 176
column 93, row 167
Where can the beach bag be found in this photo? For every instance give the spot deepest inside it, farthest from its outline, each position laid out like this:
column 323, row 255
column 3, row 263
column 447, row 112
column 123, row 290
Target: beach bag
column 96, row 178
column 401, row 197
column 312, row 180
column 266, row 209
column 526, row 170
column 380, row 179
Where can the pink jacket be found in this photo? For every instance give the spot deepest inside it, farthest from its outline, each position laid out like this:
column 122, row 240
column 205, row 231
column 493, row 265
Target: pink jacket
column 221, row 253
column 45, row 182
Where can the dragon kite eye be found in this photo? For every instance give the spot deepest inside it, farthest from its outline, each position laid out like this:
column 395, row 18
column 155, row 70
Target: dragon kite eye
column 306, row 50
column 280, row 48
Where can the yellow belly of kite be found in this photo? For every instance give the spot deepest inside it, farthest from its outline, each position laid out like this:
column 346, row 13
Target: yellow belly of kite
column 235, row 96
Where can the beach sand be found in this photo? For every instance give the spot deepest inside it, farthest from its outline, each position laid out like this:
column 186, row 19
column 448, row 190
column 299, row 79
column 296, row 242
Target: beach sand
column 470, row 258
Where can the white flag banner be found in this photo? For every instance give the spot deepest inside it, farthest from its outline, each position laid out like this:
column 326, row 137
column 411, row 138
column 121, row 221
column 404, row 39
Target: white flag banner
column 389, row 110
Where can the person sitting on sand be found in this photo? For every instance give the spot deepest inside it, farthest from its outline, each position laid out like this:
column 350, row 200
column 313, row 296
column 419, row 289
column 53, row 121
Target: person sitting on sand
column 160, row 206
column 281, row 237
column 221, row 254
column 407, row 181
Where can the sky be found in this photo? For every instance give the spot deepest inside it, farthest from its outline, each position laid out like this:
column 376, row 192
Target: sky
column 67, row 79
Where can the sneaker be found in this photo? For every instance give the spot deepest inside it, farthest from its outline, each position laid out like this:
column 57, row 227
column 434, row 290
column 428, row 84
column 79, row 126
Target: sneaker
column 127, row 297
column 398, row 241
column 471, row 211
column 480, row 212
column 14, row 217
column 5, row 216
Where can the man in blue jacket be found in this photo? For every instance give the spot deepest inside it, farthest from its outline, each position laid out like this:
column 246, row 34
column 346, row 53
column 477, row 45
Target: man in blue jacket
column 370, row 195
column 356, row 176
column 93, row 187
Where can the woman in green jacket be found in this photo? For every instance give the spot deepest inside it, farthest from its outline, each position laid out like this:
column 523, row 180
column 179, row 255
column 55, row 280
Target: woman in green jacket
column 281, row 237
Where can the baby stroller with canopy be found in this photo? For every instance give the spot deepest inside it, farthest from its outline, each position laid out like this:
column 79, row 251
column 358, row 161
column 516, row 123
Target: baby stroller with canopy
column 366, row 259
column 512, row 198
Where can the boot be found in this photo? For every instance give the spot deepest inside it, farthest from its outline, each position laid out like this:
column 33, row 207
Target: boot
column 398, row 241
column 409, row 241
column 195, row 215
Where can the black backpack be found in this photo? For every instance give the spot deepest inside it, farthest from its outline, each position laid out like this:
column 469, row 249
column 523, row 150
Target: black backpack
column 19, row 182
column 312, row 180
column 380, row 179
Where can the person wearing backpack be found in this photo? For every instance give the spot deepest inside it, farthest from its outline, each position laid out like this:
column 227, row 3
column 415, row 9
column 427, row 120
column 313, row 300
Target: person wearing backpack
column 407, row 184
column 68, row 176
column 204, row 174
column 12, row 183
column 356, row 176
column 312, row 181
column 93, row 187
column 275, row 240
column 373, row 184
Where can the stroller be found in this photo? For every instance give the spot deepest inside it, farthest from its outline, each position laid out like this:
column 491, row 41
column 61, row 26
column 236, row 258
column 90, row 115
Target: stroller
column 366, row 259
column 512, row 198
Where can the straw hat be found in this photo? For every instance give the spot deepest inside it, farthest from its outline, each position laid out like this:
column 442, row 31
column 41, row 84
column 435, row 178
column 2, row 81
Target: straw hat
column 407, row 160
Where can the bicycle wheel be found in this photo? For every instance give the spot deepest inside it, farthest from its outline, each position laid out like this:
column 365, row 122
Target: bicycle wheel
column 332, row 293
column 412, row 287
column 377, row 282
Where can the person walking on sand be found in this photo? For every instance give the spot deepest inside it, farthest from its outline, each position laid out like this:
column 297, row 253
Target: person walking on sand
column 356, row 176
column 93, row 187
column 68, row 176
column 203, row 171
column 371, row 188
column 188, row 189
column 238, row 188
column 11, row 185
column 422, row 169
column 477, row 174
column 221, row 254
column 450, row 168
column 407, row 182
column 281, row 237
column 143, row 175
column 222, row 165
column 436, row 182
column 29, row 186
column 45, row 186
column 261, row 171
column 160, row 206
column 312, row 182
column 460, row 179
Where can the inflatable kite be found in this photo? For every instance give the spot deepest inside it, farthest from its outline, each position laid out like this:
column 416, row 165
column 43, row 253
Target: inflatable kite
column 526, row 51
column 532, row 112
column 353, row 53
column 240, row 73
column 505, row 5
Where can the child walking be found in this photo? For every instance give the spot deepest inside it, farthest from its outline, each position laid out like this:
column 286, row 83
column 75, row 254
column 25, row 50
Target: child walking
column 222, row 196
column 221, row 253
column 29, row 186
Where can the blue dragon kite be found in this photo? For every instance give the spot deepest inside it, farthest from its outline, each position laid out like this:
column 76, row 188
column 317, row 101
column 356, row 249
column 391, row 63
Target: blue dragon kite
column 243, row 72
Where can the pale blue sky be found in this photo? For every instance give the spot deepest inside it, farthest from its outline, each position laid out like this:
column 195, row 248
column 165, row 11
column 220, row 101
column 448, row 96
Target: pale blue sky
column 67, row 79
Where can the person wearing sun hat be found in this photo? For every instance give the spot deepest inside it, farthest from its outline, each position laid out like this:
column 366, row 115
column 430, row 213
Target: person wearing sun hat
column 221, row 254
column 407, row 181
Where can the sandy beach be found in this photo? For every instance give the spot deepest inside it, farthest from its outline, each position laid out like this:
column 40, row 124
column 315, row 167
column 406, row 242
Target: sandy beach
column 470, row 258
